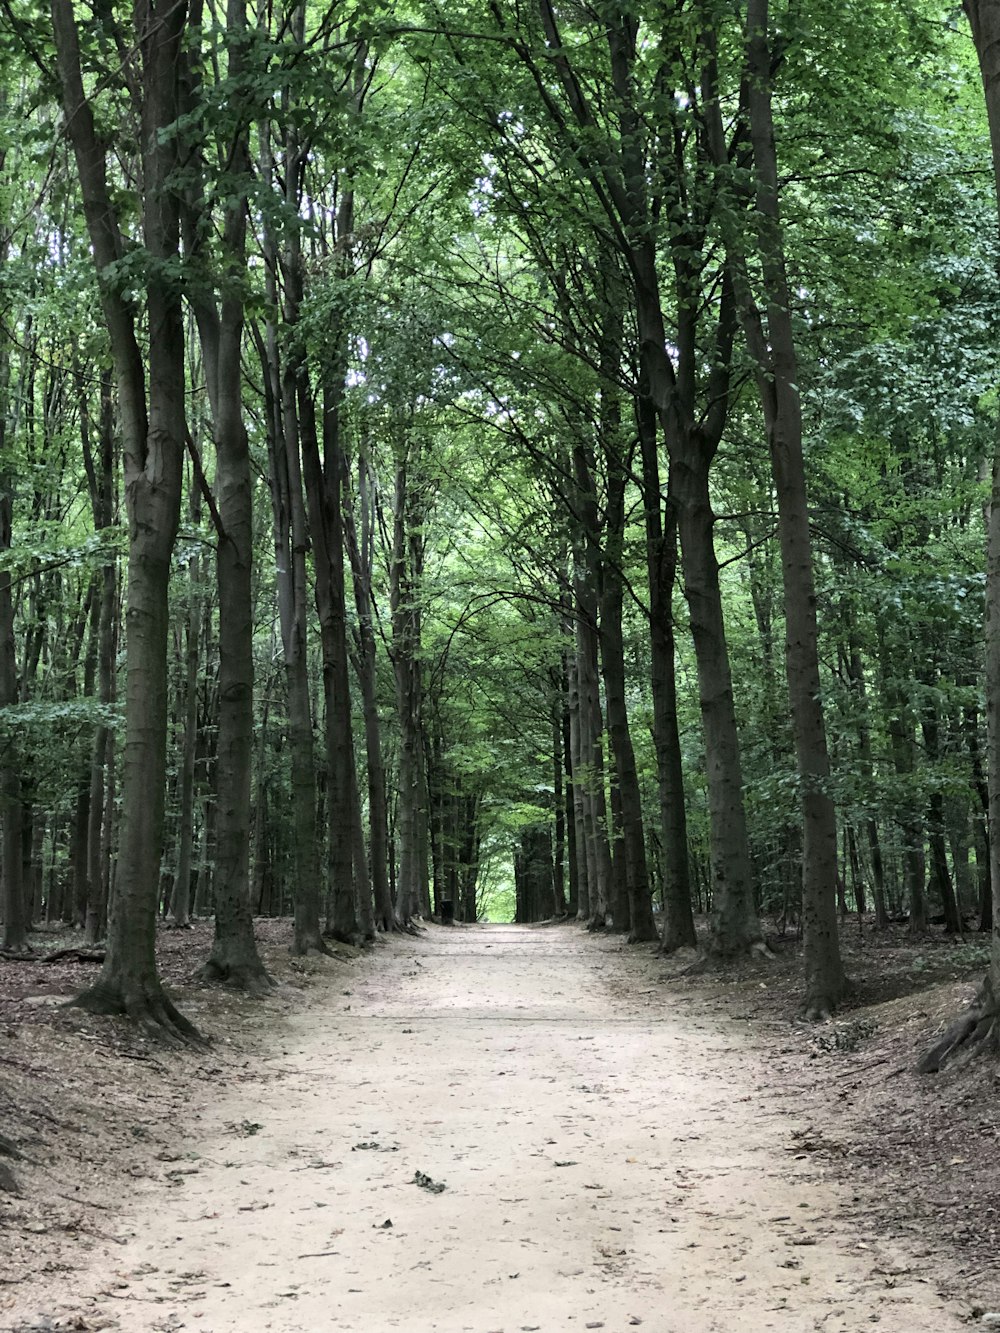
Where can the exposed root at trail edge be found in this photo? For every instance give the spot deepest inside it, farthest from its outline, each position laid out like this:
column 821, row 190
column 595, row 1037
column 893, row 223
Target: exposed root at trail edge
column 976, row 1032
column 717, row 961
column 146, row 1005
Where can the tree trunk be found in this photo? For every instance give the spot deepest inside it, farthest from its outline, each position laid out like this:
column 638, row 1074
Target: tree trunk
column 559, row 801
column 323, row 488
column 640, row 922
column 405, row 570
column 291, row 539
column 981, row 1022
column 77, row 902
column 15, row 915
column 661, row 565
column 776, row 365
column 234, row 958
column 735, row 927
column 153, row 442
column 361, row 557
column 581, row 853
column 180, row 899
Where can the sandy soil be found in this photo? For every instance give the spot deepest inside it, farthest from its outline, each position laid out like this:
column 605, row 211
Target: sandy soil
column 606, row 1165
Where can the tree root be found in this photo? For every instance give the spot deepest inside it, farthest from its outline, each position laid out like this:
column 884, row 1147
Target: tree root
column 350, row 937
column 715, row 961
column 646, row 936
column 249, row 976
column 311, row 942
column 976, row 1032
column 671, row 948
column 406, row 928
column 145, row 1004
column 57, row 956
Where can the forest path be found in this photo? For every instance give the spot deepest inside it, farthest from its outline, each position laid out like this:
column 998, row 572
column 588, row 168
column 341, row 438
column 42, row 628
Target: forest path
column 603, row 1169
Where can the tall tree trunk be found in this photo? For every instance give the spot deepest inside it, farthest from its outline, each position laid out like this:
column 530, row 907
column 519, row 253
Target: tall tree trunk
column 153, row 433
column 180, row 898
column 360, row 551
column 15, row 914
column 867, row 766
column 234, row 958
column 559, row 801
column 982, row 1021
column 323, row 488
column 291, row 540
column 735, row 927
column 405, row 571
column 640, row 922
column 100, row 476
column 936, row 829
column 776, row 366
column 661, row 564
column 581, row 846
column 81, row 811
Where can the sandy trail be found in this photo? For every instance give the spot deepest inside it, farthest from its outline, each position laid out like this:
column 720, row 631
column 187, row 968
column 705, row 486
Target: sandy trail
column 602, row 1170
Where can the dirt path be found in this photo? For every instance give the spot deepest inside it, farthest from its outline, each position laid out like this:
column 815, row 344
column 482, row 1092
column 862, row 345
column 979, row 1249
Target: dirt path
column 602, row 1170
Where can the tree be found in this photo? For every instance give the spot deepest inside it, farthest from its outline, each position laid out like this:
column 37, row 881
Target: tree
column 234, row 958
column 151, row 412
column 982, row 1022
column 771, row 343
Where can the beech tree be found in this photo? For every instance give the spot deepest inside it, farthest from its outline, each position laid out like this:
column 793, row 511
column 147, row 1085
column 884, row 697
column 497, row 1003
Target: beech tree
column 980, row 1023
column 151, row 411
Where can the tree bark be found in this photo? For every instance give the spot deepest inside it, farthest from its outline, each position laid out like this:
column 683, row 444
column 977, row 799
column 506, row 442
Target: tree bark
column 639, row 923
column 234, row 958
column 180, row 898
column 361, row 555
column 405, row 572
column 980, row 1024
column 661, row 565
column 153, row 433
column 291, row 540
column 324, row 498
column 15, row 914
column 776, row 366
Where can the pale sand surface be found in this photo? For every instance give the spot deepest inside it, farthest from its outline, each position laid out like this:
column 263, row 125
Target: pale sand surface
column 602, row 1170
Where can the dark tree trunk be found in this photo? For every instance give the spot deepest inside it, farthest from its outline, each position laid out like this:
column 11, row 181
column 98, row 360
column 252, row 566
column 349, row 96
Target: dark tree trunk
column 234, row 958
column 77, row 899
column 100, row 475
column 735, row 928
column 180, row 899
column 776, row 366
column 639, row 922
column 15, row 913
column 153, row 431
column 291, row 541
column 405, row 574
column 559, row 800
column 867, row 765
column 582, row 850
column 323, row 486
column 980, row 1023
column 661, row 564
column 930, row 728
column 361, row 552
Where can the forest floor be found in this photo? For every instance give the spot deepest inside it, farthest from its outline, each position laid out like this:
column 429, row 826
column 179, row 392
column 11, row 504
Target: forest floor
column 619, row 1146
